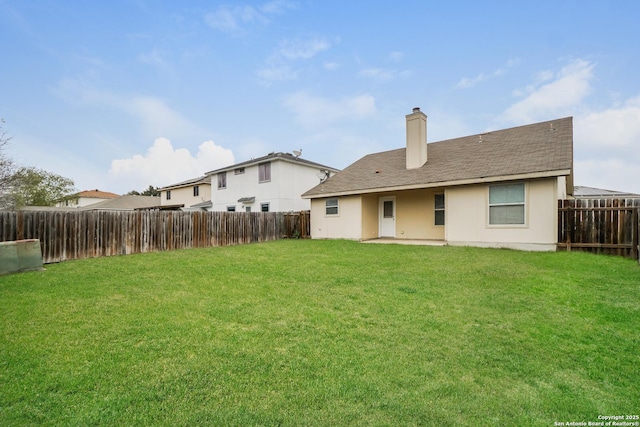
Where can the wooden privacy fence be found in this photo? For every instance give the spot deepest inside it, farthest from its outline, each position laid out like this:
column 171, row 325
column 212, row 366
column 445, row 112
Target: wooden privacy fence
column 608, row 226
column 89, row 234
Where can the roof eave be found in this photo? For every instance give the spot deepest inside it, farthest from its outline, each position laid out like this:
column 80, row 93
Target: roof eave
column 481, row 180
column 306, row 163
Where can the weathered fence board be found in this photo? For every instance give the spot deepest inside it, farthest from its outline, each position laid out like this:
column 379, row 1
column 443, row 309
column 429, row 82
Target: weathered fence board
column 607, row 226
column 89, row 234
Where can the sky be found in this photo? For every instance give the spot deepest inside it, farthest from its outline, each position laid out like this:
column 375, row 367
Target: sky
column 122, row 94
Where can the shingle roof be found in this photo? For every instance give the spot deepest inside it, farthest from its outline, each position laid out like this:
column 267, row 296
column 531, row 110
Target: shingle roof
column 273, row 156
column 200, row 181
column 544, row 148
column 580, row 191
column 97, row 194
column 127, row 202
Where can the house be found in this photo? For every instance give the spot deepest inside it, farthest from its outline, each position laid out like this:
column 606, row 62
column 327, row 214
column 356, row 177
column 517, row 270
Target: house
column 188, row 195
column 272, row 183
column 128, row 202
column 495, row 189
column 582, row 192
column 86, row 198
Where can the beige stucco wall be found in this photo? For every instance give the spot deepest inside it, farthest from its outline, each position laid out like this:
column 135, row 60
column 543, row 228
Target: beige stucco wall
column 370, row 226
column 184, row 195
column 415, row 215
column 346, row 225
column 467, row 218
column 358, row 217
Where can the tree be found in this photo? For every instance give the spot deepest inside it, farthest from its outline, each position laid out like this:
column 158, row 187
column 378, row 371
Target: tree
column 151, row 191
column 28, row 186
column 37, row 187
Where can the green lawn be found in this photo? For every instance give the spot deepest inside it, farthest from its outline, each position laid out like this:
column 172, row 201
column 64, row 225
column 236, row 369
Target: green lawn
column 322, row 333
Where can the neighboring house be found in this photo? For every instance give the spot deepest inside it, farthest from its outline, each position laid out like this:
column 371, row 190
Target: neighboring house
column 582, row 192
column 495, row 189
column 86, row 198
column 273, row 183
column 127, row 202
column 186, row 194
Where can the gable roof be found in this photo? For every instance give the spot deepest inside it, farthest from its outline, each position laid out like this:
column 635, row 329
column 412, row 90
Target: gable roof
column 201, row 180
column 536, row 150
column 96, row 194
column 583, row 192
column 287, row 157
column 128, row 202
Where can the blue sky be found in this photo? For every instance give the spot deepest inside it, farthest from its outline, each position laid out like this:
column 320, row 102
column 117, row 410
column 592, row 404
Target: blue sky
column 119, row 95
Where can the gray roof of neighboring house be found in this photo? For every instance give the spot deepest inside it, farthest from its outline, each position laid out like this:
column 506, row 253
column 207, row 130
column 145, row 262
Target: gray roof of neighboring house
column 270, row 157
column 580, row 191
column 205, row 204
column 540, row 149
column 125, row 203
column 188, row 182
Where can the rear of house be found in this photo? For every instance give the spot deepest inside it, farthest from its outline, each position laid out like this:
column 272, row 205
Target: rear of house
column 496, row 189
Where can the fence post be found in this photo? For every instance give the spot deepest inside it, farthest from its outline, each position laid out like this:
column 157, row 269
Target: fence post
column 570, row 213
column 636, row 232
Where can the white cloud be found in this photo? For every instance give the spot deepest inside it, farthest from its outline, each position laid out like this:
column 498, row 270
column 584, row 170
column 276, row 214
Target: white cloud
column 396, row 56
column 376, row 73
column 468, row 82
column 606, row 140
column 316, row 110
column 383, row 75
column 278, row 65
column 617, row 174
column 559, row 97
column 616, row 127
column 235, row 19
column 301, row 48
column 156, row 116
column 229, row 20
column 154, row 57
column 163, row 165
column 607, row 147
column 331, row 66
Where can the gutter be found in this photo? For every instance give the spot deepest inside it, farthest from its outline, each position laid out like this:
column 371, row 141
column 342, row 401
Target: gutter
column 482, row 180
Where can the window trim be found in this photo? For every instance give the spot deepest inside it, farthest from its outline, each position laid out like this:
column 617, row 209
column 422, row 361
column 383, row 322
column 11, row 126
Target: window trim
column 222, row 180
column 437, row 209
column 263, row 205
column 168, row 196
column 336, row 207
column 238, row 171
column 196, row 190
column 267, row 171
column 231, row 208
column 524, row 204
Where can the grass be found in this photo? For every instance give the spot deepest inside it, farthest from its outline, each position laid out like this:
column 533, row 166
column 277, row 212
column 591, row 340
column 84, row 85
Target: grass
column 322, row 333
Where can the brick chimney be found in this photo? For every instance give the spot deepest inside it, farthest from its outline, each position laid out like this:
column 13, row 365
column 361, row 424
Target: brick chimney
column 416, row 139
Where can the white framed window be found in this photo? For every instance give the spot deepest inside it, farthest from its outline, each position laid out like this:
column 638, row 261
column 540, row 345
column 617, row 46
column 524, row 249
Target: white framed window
column 439, row 209
column 168, row 194
column 196, row 191
column 231, row 208
column 264, row 172
column 238, row 171
column 331, row 206
column 264, row 207
column 222, row 180
column 507, row 204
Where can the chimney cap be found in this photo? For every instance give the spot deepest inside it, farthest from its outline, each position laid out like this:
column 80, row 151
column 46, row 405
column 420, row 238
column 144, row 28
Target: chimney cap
column 416, row 109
